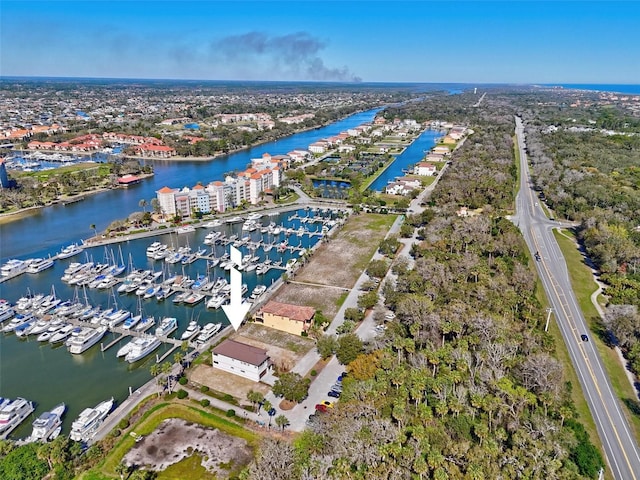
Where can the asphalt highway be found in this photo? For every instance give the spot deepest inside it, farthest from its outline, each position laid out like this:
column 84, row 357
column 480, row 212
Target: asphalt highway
column 620, row 447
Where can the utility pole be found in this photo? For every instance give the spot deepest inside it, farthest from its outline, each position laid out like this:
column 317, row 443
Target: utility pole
column 549, row 310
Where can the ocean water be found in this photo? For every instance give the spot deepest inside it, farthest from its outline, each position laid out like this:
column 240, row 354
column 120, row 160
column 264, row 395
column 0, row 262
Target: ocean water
column 633, row 89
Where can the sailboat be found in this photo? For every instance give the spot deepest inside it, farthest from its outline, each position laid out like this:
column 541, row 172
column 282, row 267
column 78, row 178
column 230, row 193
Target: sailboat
column 117, row 267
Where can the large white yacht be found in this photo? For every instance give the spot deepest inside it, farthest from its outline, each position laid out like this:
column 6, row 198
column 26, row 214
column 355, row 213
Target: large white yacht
column 39, row 264
column 14, row 267
column 70, row 250
column 208, row 331
column 86, row 339
column 89, row 420
column 167, row 325
column 142, row 346
column 13, row 414
column 192, row 330
column 48, row 425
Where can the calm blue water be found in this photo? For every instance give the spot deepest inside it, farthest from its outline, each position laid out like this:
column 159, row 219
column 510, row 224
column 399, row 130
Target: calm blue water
column 48, row 375
column 51, row 228
column 618, row 88
column 412, row 155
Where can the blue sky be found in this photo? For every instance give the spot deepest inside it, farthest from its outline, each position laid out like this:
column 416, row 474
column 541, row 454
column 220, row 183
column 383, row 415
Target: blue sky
column 373, row 41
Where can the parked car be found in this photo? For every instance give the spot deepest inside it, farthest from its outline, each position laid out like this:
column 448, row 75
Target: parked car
column 321, row 408
column 334, row 394
column 328, row 404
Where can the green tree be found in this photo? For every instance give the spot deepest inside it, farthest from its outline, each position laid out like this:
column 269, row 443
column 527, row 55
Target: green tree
column 255, row 398
column 292, row 387
column 143, row 204
column 348, row 348
column 282, row 421
column 326, row 345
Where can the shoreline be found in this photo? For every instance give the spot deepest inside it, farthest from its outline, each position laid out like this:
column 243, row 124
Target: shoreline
column 9, row 217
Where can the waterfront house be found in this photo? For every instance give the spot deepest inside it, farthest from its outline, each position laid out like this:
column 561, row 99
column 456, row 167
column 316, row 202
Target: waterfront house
column 318, row 147
column 424, row 169
column 241, row 359
column 286, row 317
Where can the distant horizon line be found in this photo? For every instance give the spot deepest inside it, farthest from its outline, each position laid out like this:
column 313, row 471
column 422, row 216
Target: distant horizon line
column 320, row 82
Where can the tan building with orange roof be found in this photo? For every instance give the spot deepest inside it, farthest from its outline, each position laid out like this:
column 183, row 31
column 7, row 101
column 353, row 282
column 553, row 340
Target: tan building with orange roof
column 286, row 317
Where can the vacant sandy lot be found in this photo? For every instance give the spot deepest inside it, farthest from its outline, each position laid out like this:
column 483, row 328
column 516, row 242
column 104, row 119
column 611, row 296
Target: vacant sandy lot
column 225, row 382
column 176, row 439
column 336, row 265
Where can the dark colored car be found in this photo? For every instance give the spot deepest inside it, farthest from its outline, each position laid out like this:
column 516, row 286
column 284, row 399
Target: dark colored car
column 334, row 394
column 584, row 338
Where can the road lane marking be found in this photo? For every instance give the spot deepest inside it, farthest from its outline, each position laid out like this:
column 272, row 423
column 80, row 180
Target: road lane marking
column 573, row 324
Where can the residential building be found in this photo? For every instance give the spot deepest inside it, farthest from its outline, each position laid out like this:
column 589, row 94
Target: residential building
column 286, row 317
column 166, row 200
column 241, row 359
column 424, row 169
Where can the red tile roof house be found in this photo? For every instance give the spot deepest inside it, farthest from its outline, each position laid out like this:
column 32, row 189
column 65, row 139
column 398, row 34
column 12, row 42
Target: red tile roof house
column 241, row 359
column 286, row 317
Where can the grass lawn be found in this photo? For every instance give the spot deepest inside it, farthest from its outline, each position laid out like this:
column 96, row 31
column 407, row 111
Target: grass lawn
column 150, row 421
column 583, row 286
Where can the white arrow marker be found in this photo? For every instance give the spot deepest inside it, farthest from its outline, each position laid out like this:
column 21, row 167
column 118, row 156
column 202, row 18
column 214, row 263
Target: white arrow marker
column 236, row 309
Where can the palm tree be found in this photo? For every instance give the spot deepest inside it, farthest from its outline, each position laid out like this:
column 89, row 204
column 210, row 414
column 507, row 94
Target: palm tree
column 267, row 408
column 282, row 421
column 121, row 469
column 178, row 357
column 143, row 204
column 93, row 227
column 155, row 372
column 255, row 398
column 166, row 370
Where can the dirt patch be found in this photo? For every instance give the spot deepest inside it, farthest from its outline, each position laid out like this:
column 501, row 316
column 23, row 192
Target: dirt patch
column 337, row 263
column 176, row 439
column 321, row 298
column 225, row 382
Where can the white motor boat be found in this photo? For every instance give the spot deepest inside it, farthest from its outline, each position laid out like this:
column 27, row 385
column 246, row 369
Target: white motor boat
column 48, row 425
column 39, row 264
column 192, row 330
column 86, row 339
column 142, row 346
column 6, row 312
column 85, row 427
column 125, row 349
column 62, row 334
column 167, row 326
column 208, row 331
column 51, row 331
column 145, row 324
column 13, row 415
column 18, row 320
column 14, row 267
column 70, row 250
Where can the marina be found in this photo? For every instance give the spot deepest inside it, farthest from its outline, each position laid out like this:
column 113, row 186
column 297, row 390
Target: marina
column 93, row 320
column 94, row 375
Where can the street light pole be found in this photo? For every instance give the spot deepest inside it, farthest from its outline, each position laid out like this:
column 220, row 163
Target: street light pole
column 549, row 310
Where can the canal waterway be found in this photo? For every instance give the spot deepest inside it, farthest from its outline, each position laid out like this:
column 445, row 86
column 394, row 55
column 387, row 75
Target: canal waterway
column 49, row 375
column 55, row 226
column 412, row 155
